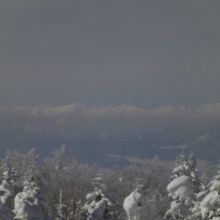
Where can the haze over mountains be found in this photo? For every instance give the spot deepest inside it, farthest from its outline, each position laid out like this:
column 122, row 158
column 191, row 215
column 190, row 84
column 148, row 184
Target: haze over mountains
column 96, row 133
column 160, row 55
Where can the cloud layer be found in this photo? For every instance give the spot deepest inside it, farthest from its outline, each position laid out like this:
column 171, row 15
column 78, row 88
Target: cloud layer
column 77, row 121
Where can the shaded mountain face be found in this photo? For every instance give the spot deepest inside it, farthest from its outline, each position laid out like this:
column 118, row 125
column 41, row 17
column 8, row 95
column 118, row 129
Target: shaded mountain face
column 95, row 134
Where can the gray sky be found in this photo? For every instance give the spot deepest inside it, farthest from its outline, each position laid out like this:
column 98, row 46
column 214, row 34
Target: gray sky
column 147, row 53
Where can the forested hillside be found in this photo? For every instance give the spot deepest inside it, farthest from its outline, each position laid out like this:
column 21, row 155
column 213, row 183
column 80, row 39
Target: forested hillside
column 64, row 188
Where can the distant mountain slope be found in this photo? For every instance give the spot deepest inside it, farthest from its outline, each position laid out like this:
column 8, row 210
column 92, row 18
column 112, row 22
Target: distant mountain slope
column 94, row 133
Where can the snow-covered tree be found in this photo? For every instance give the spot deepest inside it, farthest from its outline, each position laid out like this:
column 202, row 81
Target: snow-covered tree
column 193, row 174
column 134, row 204
column 27, row 204
column 23, row 162
column 60, row 206
column 62, row 171
column 142, row 202
column 97, row 206
column 183, row 188
column 209, row 207
column 7, row 191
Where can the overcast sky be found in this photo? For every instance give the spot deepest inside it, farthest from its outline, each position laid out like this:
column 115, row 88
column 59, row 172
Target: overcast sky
column 145, row 53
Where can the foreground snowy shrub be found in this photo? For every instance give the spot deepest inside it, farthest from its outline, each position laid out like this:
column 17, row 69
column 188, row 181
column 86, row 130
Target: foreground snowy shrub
column 97, row 207
column 7, row 191
column 27, row 204
column 134, row 204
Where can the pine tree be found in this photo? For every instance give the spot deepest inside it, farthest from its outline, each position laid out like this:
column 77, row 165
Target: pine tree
column 209, row 208
column 193, row 173
column 97, row 206
column 133, row 204
column 183, row 188
column 7, row 191
column 27, row 204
